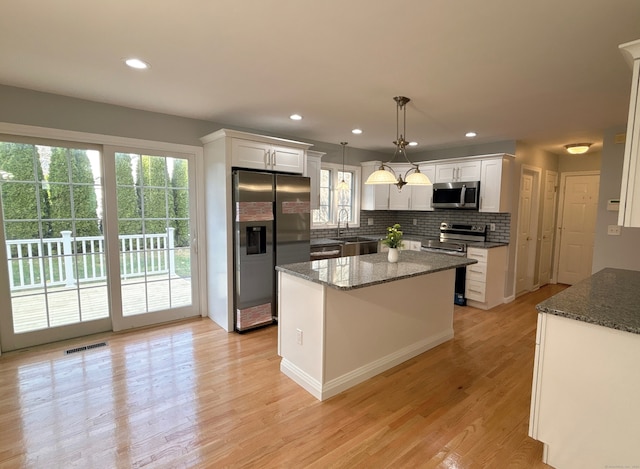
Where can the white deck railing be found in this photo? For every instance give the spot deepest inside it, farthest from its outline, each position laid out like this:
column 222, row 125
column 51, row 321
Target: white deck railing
column 66, row 260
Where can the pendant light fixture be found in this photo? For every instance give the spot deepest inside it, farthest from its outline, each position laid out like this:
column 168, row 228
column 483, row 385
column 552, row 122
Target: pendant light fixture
column 385, row 174
column 343, row 185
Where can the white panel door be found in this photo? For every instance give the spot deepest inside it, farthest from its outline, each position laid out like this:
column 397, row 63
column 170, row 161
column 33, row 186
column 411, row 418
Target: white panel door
column 548, row 226
column 577, row 228
column 523, row 282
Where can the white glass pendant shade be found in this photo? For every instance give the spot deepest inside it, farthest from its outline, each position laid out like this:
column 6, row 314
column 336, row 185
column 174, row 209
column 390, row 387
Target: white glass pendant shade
column 381, row 176
column 418, row 179
column 343, row 186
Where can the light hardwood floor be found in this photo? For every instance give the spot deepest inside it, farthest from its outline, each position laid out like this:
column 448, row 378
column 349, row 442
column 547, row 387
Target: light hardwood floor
column 191, row 395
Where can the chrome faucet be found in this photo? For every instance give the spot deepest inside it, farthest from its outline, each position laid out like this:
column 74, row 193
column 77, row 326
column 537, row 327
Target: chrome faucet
column 346, row 213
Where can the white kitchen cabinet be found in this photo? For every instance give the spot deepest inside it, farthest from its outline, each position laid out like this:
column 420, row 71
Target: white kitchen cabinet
column 422, row 196
column 459, row 171
column 484, row 286
column 407, row 245
column 400, row 199
column 495, row 184
column 388, row 197
column 584, row 394
column 373, row 196
column 312, row 171
column 629, row 214
column 258, row 154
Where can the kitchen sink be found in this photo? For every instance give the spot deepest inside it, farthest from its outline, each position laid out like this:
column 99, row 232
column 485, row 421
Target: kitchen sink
column 354, row 239
column 357, row 245
column 345, row 246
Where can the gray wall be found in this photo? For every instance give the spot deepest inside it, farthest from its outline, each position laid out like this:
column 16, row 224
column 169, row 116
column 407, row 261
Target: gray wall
column 622, row 251
column 21, row 106
column 28, row 107
column 587, row 162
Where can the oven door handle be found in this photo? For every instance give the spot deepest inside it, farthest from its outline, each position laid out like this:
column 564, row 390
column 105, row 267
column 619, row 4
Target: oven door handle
column 462, row 194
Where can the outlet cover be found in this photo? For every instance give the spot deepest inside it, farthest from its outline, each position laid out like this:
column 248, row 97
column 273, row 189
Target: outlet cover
column 369, row 221
column 492, row 227
column 613, row 230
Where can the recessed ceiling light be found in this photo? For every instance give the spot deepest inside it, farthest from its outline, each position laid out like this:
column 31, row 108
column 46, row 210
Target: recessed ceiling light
column 413, row 144
column 356, row 131
column 137, row 63
column 295, row 117
column 470, row 134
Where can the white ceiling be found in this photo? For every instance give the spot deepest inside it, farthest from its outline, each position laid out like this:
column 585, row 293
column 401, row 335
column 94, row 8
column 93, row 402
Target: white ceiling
column 547, row 72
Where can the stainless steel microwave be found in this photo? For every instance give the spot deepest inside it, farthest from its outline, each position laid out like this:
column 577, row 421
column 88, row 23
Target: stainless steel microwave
column 456, row 195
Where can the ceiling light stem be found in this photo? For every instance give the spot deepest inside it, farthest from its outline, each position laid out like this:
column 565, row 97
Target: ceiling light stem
column 385, row 174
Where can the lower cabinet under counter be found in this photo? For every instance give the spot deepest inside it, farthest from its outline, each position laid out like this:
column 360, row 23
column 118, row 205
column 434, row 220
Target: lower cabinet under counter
column 331, row 339
column 584, row 400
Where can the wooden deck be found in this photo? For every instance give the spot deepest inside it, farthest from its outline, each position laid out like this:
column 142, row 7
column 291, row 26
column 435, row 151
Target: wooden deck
column 90, row 302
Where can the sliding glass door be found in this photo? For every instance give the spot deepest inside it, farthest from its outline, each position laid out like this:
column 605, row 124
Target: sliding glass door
column 53, row 242
column 157, row 266
column 93, row 239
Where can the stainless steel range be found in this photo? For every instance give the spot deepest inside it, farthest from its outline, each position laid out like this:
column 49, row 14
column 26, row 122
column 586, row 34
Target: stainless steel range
column 454, row 239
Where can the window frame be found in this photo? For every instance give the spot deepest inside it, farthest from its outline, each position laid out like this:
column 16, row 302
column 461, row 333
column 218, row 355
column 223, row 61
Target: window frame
column 335, row 168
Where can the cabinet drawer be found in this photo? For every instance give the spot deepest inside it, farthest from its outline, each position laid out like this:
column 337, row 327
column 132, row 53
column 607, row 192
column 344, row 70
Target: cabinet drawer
column 477, row 272
column 478, row 254
column 475, row 290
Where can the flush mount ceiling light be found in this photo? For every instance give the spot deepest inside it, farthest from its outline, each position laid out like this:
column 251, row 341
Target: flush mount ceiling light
column 578, row 148
column 295, row 117
column 136, row 63
column 470, row 134
column 356, row 131
column 385, row 174
column 342, row 185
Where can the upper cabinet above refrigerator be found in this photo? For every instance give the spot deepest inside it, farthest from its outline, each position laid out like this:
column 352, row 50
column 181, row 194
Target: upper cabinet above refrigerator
column 260, row 155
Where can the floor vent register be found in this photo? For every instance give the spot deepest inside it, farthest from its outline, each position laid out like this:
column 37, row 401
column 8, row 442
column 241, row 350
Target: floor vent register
column 85, row 347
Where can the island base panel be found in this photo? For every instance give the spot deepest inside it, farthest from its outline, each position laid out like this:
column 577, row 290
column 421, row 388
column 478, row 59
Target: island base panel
column 332, row 339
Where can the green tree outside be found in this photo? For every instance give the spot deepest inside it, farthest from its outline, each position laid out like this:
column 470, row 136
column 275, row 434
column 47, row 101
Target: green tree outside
column 154, row 194
column 72, row 193
column 24, row 197
column 180, row 186
column 128, row 204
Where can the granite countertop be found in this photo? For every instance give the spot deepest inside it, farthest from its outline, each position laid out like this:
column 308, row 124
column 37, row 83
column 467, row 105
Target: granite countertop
column 332, row 241
column 486, row 245
column 608, row 298
column 347, row 273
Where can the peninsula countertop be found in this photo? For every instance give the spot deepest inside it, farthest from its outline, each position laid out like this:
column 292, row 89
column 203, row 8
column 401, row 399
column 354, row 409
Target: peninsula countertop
column 347, row 273
column 608, row 298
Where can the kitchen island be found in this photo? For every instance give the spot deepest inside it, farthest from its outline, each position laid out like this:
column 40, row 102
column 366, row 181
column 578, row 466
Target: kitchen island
column 584, row 400
column 344, row 320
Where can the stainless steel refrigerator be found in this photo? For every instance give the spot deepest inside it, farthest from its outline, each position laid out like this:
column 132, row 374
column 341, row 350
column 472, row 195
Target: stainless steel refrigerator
column 271, row 227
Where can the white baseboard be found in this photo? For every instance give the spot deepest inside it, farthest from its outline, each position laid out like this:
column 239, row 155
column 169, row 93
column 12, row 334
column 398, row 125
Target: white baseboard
column 313, row 386
column 335, row 386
